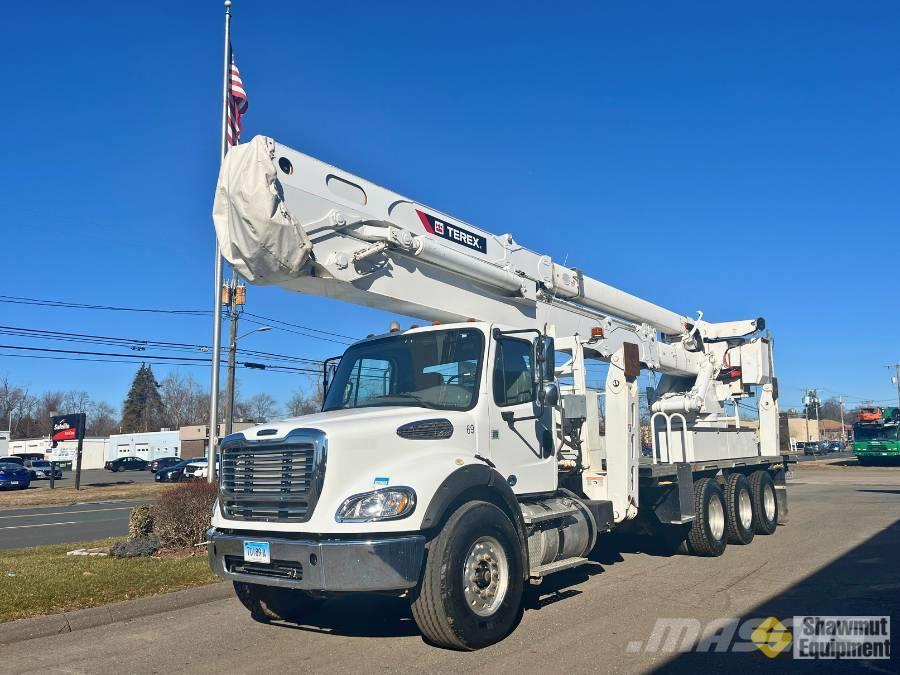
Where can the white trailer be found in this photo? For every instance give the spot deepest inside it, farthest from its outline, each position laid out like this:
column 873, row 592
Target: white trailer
column 456, row 461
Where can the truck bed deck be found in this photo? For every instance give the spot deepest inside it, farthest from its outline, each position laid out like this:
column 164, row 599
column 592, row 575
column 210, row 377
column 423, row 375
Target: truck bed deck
column 647, row 469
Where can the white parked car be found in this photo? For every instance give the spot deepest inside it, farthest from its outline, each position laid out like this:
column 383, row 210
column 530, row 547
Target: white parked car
column 198, row 470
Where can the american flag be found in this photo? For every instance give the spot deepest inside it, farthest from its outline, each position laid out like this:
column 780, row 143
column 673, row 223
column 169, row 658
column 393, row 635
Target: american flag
column 237, row 104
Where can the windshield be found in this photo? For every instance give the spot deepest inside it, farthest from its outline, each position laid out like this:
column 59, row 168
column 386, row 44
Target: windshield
column 41, row 464
column 437, row 369
column 9, row 466
column 876, row 434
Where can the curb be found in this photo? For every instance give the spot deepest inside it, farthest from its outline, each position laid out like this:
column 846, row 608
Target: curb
column 68, row 622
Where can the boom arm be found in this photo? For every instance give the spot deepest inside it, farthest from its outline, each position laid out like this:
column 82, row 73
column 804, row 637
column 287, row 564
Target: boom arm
column 285, row 218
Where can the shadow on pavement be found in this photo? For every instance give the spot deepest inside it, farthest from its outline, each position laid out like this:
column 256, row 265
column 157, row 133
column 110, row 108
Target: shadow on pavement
column 351, row 616
column 863, row 582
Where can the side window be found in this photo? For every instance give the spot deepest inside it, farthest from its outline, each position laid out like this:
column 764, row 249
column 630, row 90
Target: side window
column 513, row 372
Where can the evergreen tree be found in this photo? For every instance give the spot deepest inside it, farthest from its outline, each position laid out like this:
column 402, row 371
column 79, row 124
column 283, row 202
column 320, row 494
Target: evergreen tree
column 143, row 408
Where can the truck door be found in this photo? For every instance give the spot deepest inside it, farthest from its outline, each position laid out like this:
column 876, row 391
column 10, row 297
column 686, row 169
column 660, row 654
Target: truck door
column 521, row 443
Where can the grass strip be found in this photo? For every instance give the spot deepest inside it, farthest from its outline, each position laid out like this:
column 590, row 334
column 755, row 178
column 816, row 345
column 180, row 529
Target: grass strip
column 90, row 493
column 44, row 580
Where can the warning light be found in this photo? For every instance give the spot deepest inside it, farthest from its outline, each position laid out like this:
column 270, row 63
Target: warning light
column 596, row 332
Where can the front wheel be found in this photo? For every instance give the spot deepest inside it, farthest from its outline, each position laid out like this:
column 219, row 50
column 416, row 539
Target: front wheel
column 269, row 603
column 471, row 591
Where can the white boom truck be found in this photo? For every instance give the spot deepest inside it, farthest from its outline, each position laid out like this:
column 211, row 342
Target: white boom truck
column 457, row 461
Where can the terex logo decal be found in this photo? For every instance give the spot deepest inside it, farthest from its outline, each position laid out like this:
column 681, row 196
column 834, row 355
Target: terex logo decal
column 454, row 233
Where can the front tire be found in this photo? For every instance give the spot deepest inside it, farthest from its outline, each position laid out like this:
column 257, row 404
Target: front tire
column 268, row 603
column 471, row 591
column 765, row 505
column 707, row 537
column 739, row 509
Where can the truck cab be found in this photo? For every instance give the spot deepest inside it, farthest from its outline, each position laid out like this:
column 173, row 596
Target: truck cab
column 413, row 421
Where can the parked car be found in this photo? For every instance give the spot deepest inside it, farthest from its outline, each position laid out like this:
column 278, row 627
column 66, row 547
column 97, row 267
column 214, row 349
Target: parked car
column 174, row 473
column 837, row 446
column 162, row 462
column 40, row 469
column 126, row 464
column 14, row 475
column 196, row 469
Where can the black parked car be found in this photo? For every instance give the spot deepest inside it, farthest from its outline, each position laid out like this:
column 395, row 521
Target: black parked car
column 162, row 463
column 174, row 473
column 126, row 464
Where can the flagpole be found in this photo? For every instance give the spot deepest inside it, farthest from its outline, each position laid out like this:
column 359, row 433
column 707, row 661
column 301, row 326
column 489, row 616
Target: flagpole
column 217, row 288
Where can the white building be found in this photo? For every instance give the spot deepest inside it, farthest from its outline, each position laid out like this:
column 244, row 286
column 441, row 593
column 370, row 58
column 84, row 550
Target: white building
column 147, row 446
column 4, row 443
column 93, row 451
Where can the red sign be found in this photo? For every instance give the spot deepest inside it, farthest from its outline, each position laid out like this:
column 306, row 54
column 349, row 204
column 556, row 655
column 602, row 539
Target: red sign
column 67, row 428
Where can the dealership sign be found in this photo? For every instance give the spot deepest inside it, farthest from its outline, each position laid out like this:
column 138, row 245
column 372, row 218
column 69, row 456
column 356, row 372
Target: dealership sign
column 67, row 428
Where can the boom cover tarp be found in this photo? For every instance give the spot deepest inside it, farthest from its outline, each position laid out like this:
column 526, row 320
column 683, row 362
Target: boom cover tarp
column 257, row 234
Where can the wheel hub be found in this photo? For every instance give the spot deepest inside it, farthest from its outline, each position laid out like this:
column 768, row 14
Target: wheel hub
column 769, row 499
column 485, row 576
column 745, row 509
column 716, row 519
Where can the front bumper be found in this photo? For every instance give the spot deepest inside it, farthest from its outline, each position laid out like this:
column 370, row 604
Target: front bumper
column 383, row 564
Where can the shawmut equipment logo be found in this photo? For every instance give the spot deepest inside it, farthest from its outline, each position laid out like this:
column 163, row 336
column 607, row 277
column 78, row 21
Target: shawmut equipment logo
column 771, row 637
column 810, row 637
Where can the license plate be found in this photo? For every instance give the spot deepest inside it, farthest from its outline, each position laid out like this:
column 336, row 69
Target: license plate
column 13, row 482
column 256, row 551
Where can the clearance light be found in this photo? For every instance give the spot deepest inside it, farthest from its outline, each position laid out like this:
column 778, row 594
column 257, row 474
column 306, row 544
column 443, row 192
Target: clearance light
column 596, row 332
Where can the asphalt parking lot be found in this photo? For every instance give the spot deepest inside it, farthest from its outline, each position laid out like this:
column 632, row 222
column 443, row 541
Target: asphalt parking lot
column 95, row 477
column 837, row 555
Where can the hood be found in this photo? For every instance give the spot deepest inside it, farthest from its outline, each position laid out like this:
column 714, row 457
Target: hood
column 340, row 420
column 365, row 452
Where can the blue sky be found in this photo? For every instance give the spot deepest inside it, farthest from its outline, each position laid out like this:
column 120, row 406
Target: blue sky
column 741, row 160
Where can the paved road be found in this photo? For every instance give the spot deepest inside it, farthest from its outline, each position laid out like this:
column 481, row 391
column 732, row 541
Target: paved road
column 837, row 555
column 96, row 477
column 34, row 526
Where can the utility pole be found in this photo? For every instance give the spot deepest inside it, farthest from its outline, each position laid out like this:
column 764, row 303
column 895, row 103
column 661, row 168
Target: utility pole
column 843, row 430
column 896, row 379
column 236, row 298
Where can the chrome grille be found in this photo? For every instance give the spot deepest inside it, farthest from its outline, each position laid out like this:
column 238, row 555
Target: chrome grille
column 272, row 480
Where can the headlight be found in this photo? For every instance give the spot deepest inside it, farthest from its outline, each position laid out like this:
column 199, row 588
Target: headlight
column 385, row 504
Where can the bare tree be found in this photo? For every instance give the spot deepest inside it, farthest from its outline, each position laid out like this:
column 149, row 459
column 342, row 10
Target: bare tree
column 102, row 419
column 184, row 401
column 75, row 402
column 262, row 407
column 306, row 401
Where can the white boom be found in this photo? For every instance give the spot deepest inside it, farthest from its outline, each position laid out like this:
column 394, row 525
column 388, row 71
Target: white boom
column 285, row 218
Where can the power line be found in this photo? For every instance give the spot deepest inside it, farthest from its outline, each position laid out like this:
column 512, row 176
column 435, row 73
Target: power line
column 137, row 344
column 15, row 300
column 145, row 358
column 316, row 333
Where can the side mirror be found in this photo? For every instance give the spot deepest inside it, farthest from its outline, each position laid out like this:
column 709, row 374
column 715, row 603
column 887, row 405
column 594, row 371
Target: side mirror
column 549, row 394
